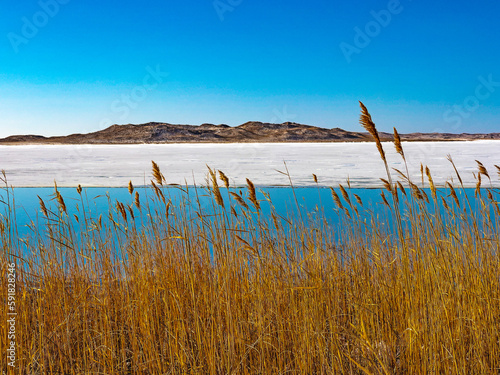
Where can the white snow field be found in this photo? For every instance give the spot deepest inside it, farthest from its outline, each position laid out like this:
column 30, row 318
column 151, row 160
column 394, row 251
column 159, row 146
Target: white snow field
column 333, row 163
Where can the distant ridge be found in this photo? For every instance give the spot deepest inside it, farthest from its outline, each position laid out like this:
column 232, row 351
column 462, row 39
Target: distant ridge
column 252, row 131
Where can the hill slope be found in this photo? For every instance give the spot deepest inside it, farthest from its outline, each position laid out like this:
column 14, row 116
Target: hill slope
column 252, row 131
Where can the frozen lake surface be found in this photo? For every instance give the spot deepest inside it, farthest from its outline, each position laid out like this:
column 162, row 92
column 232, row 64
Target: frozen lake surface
column 333, row 163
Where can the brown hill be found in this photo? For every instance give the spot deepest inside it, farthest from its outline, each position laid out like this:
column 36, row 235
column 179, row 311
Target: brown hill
column 252, row 131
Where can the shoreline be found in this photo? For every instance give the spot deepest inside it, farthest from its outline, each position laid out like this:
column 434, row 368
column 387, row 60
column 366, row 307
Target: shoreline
column 236, row 143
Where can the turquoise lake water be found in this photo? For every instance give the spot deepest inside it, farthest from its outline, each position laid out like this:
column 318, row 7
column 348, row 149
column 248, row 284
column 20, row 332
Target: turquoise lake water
column 303, row 203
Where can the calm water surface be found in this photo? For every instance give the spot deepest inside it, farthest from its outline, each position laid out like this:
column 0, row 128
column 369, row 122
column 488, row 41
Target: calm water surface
column 303, row 203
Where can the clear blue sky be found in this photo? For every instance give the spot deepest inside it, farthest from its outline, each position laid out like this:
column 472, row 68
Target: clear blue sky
column 77, row 66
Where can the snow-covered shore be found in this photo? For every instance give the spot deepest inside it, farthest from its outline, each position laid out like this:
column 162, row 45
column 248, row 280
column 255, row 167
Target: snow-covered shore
column 333, row 163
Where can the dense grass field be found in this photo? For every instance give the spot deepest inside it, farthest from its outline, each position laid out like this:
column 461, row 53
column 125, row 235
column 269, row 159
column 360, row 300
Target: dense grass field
column 157, row 286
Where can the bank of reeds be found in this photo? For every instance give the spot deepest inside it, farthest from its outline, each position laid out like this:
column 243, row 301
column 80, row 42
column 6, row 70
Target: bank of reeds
column 221, row 283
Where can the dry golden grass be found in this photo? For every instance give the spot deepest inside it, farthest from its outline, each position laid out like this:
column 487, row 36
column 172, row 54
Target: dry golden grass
column 163, row 286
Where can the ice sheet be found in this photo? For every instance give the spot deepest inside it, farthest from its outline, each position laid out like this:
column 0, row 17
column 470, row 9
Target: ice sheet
column 333, row 163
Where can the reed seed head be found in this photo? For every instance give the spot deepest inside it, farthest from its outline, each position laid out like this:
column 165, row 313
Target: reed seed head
column 387, row 185
column 121, row 209
column 453, row 194
column 445, row 205
column 158, row 191
column 252, row 196
column 43, row 207
column 224, row 179
column 358, row 199
column 490, row 196
column 136, row 200
column 366, row 121
column 400, row 186
column 336, row 198
column 482, row 169
column 215, row 188
column 416, row 191
column 344, row 194
column 233, row 212
column 431, row 181
column 397, row 143
column 239, row 199
column 130, row 187
column 478, row 185
column 157, row 173
column 384, row 199
column 60, row 200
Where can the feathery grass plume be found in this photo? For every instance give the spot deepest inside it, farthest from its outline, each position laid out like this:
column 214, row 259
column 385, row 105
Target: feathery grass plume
column 336, row 199
column 400, row 186
column 224, row 179
column 43, row 207
column 60, row 200
column 445, row 204
column 422, row 173
column 358, row 199
column 233, row 212
column 384, row 199
column 239, row 199
column 401, row 174
column 252, row 196
column 416, row 191
column 455, row 168
column 247, row 245
column 157, row 173
column 431, row 182
column 498, row 170
column 426, row 197
column 130, row 187
column 79, row 189
column 477, row 191
column 397, row 144
column 315, row 178
column 131, row 211
column 121, row 209
column 367, row 123
column 490, row 196
column 387, row 185
column 167, row 210
column 158, row 192
column 215, row 187
column 275, row 221
column 137, row 202
column 344, row 194
column 396, row 196
column 482, row 169
column 453, row 194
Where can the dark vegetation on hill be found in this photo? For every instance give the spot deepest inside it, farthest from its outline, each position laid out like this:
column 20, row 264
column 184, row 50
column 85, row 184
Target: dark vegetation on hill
column 251, row 131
